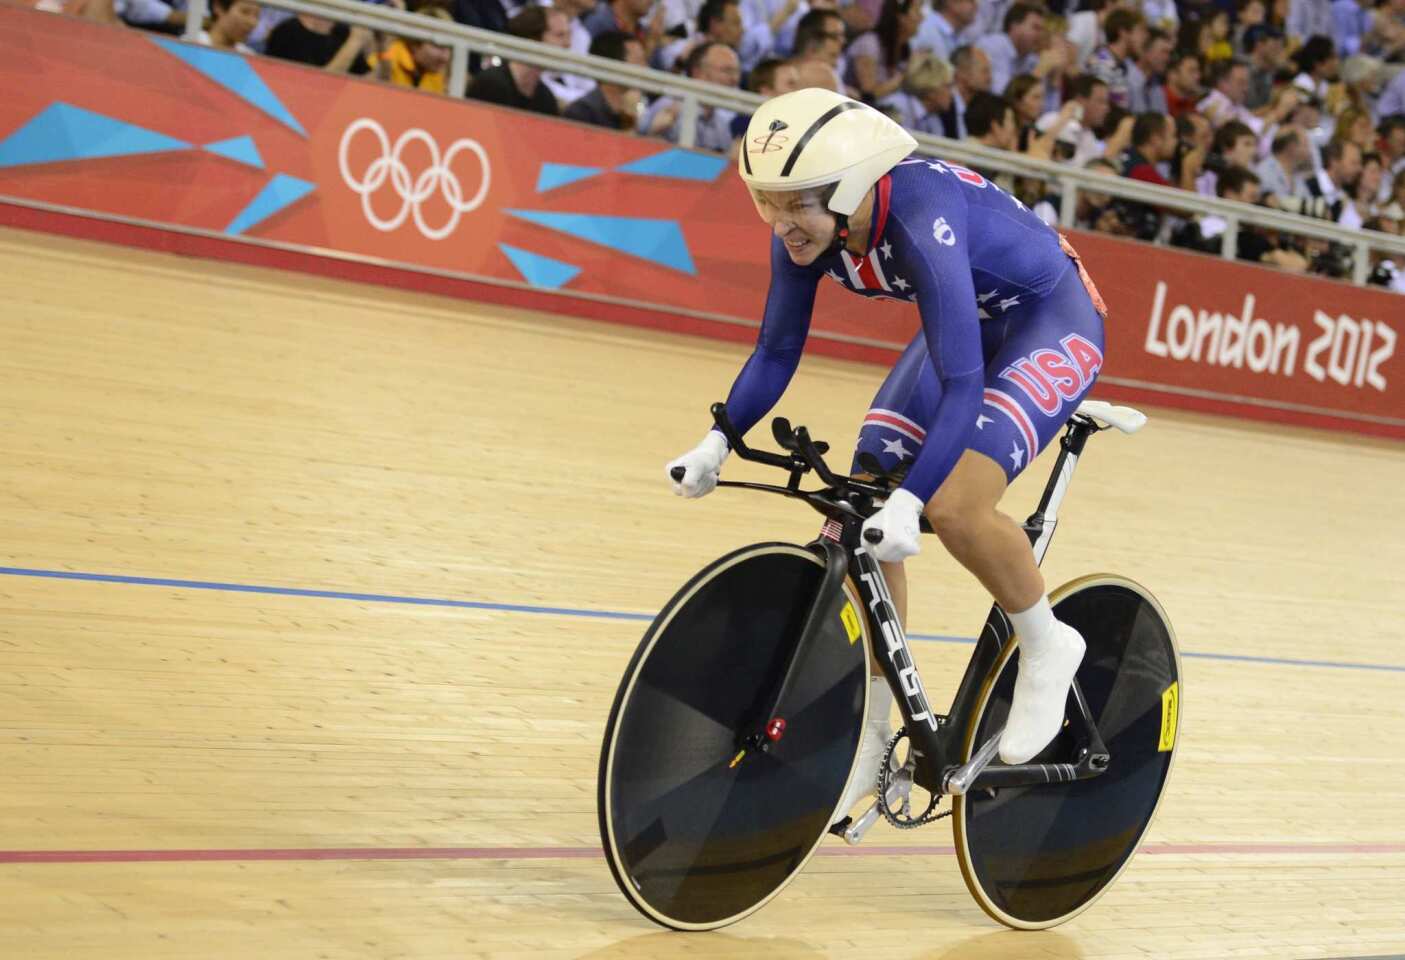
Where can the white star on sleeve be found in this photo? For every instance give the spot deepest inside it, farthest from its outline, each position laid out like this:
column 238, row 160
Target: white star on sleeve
column 900, row 283
column 983, row 297
column 896, row 446
column 1009, row 302
column 1016, row 455
column 887, row 249
column 982, row 420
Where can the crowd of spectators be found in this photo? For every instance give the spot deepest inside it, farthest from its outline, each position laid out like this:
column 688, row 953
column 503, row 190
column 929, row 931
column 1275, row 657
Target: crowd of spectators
column 1293, row 104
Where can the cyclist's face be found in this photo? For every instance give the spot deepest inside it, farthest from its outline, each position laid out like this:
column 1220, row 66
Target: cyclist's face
column 801, row 221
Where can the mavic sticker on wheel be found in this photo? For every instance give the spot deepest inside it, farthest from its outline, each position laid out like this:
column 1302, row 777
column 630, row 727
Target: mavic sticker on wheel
column 1170, row 706
column 850, row 619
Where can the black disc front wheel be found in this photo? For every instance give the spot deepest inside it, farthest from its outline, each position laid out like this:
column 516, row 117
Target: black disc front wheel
column 698, row 830
column 1036, row 856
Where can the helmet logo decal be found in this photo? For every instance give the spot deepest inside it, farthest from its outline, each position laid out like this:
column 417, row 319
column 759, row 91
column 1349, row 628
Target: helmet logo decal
column 776, row 127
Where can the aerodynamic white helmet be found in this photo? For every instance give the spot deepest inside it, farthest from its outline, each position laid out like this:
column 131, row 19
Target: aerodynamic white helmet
column 814, row 137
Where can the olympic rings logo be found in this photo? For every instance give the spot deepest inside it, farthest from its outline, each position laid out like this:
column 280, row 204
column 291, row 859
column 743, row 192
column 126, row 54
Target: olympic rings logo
column 412, row 193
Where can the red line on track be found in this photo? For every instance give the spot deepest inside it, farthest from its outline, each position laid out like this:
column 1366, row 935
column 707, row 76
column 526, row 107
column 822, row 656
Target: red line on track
column 590, row 853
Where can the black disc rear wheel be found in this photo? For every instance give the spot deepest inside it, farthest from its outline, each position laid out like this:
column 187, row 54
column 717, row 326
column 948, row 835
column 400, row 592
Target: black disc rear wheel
column 1036, row 856
column 697, row 836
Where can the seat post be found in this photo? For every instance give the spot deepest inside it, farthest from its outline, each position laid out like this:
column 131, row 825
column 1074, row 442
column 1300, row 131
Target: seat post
column 1040, row 525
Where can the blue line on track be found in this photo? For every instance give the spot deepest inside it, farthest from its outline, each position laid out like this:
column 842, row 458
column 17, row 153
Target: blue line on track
column 321, row 594
column 565, row 611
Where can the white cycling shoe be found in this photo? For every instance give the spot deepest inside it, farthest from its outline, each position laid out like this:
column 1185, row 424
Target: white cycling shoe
column 876, row 734
column 1041, row 692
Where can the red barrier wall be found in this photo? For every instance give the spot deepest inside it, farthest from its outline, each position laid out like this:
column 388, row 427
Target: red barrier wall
column 1208, row 334
column 262, row 161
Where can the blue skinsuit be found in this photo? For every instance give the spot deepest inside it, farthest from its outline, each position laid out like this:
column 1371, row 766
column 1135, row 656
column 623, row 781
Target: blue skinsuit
column 1011, row 338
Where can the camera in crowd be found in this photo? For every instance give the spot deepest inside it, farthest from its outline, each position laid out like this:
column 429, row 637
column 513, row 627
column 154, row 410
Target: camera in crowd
column 1142, row 221
column 1333, row 260
column 1310, row 207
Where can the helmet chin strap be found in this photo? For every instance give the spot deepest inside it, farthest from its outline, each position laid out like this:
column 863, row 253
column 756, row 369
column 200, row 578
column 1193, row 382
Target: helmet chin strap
column 841, row 233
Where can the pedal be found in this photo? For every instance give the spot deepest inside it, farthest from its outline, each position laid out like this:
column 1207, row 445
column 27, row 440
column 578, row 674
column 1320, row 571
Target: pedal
column 958, row 781
column 899, row 789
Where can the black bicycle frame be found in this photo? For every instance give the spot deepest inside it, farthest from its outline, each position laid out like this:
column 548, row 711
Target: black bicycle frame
column 937, row 740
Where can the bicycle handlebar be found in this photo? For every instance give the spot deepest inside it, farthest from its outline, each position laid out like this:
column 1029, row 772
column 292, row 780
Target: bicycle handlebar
column 842, row 496
column 806, row 455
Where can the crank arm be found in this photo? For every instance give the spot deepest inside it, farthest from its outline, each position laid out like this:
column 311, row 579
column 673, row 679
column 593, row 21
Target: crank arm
column 959, row 781
column 899, row 788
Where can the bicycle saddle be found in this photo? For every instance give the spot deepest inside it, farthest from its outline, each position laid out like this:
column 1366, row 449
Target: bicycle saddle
column 1125, row 419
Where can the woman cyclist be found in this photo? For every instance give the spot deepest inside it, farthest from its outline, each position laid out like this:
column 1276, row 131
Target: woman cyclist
column 1011, row 340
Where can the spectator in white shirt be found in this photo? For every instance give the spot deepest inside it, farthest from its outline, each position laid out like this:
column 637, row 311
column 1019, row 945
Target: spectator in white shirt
column 819, row 50
column 758, row 41
column 679, row 16
column 972, row 76
column 710, row 62
column 1015, row 50
column 1334, row 183
column 1146, row 76
column 1226, row 101
column 234, row 21
column 1309, row 18
column 568, row 88
column 784, row 20
column 1282, row 172
column 1085, row 30
column 138, row 13
column 1392, row 139
column 1161, row 13
column 1089, row 94
column 719, row 21
column 1317, row 65
column 941, row 25
column 990, row 18
column 1235, row 145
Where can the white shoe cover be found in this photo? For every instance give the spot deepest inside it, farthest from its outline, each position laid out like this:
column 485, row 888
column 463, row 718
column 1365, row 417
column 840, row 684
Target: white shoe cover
column 1041, row 692
column 876, row 734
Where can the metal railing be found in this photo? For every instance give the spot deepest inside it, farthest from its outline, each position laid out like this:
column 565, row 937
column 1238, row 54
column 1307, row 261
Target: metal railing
column 694, row 95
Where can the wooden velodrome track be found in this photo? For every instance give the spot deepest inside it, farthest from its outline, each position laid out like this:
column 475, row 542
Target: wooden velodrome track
column 321, row 769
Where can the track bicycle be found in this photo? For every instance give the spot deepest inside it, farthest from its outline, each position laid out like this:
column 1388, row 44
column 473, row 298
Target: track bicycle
column 736, row 726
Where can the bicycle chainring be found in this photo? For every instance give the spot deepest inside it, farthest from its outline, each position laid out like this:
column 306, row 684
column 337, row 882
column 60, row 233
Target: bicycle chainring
column 902, row 818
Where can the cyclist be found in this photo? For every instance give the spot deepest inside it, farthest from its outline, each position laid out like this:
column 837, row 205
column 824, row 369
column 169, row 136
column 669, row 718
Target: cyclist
column 1011, row 340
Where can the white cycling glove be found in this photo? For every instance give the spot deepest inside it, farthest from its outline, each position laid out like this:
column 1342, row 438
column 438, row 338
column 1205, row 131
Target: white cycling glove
column 702, row 466
column 900, row 523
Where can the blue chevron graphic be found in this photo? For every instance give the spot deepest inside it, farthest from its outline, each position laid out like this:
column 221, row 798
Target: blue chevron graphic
column 240, row 149
column 280, row 192
column 64, row 132
column 678, row 165
column 658, row 241
column 538, row 270
column 555, row 175
column 233, row 72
